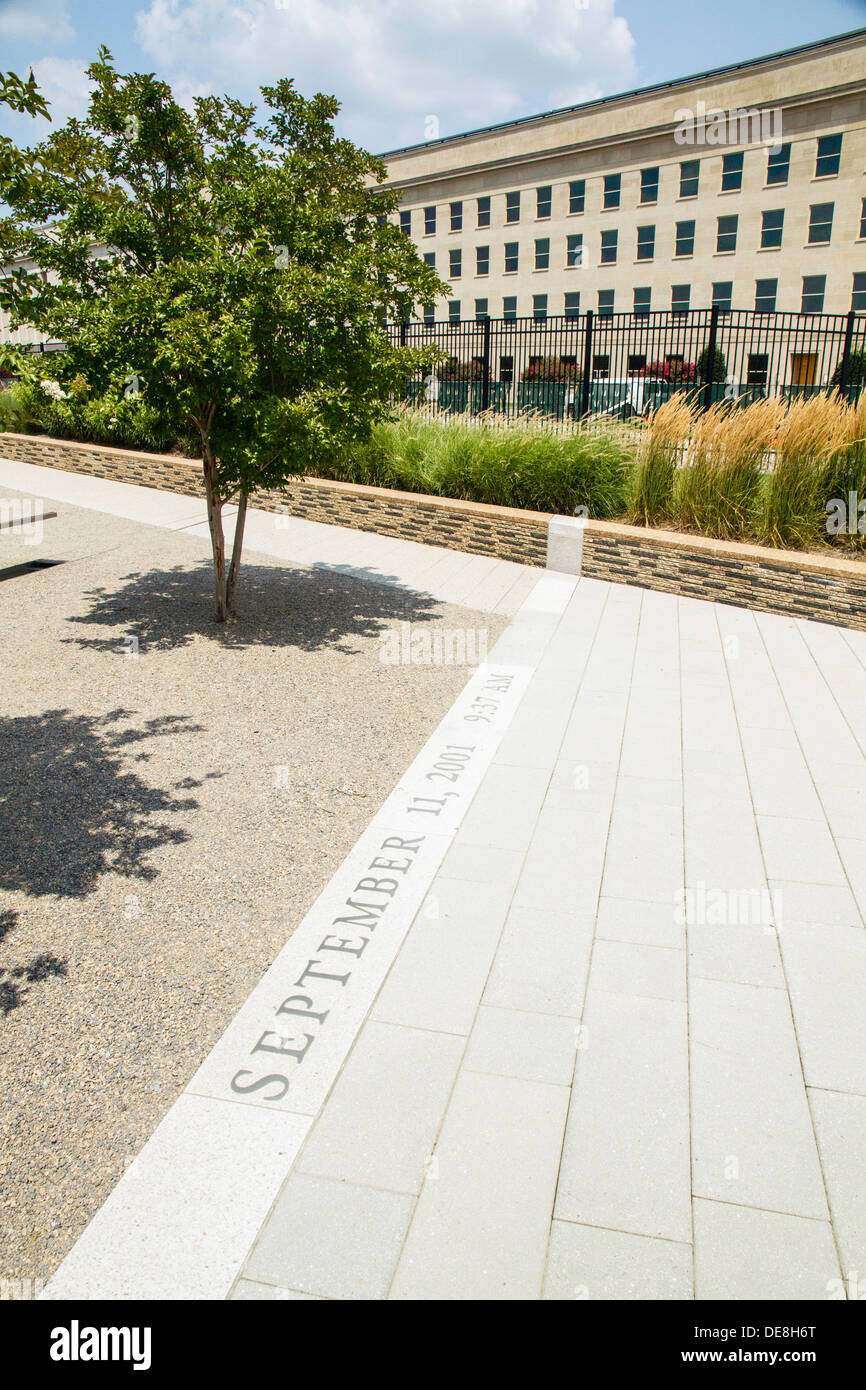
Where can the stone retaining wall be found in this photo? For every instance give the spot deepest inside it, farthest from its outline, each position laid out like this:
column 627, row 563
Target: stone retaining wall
column 825, row 588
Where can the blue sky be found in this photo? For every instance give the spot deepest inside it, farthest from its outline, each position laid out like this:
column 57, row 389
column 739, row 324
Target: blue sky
column 404, row 68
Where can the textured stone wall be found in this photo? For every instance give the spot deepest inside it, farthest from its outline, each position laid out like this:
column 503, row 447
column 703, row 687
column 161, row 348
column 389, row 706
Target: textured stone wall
column 809, row 586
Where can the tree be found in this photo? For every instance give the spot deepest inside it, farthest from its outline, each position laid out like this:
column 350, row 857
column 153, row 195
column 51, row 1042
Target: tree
column 21, row 94
column 236, row 271
column 720, row 369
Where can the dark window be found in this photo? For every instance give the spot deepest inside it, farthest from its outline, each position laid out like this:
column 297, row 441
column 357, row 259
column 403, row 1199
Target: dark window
column 723, row 293
column 430, row 259
column 820, row 223
column 608, row 247
column 574, row 249
column 732, row 172
column 484, row 212
column 454, row 310
column 509, row 306
column 428, row 313
column 455, row 259
column 457, row 217
column 429, row 221
column 646, row 243
column 812, row 301
column 863, row 218
column 572, row 303
column 757, row 369
column 765, row 296
column 642, row 300
column 858, row 292
column 726, row 235
column 543, row 198
column 512, row 207
column 680, row 298
column 506, row 369
column 690, row 177
column 649, row 185
column 635, row 362
column 542, row 253
column 685, row 243
column 481, row 309
column 539, row 306
column 406, row 222
column 482, row 260
column 510, row 255
column 601, row 363
column 605, row 302
column 771, row 227
column 577, row 195
column 612, row 190
column 829, row 153
column 778, row 164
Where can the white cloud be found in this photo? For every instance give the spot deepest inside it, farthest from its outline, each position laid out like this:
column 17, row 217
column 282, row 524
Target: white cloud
column 64, row 84
column 393, row 63
column 35, row 21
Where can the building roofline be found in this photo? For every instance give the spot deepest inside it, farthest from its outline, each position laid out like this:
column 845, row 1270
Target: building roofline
column 625, row 96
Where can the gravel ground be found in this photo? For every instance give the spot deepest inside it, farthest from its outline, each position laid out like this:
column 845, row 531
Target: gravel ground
column 166, row 819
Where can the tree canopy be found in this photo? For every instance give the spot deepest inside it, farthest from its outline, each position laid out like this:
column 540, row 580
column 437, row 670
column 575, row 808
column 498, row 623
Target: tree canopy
column 235, row 269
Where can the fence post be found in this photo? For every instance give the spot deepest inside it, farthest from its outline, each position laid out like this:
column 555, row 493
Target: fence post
column 846, row 353
column 711, row 357
column 587, row 366
column 403, row 329
column 485, row 379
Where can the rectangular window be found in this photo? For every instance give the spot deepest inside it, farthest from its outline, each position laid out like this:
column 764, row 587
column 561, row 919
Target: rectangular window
column 542, row 253
column 454, row 310
column 455, row 263
column 757, row 370
column 723, row 293
column 685, row 242
column 510, row 256
column 732, row 173
column 726, row 234
column 481, row 309
column 649, row 185
column 646, row 243
column 690, row 178
column 428, row 313
column 863, row 218
column 483, row 212
column 820, row 223
column 608, row 247
column 635, row 362
column 512, row 207
column 539, row 306
column 680, row 297
column 506, row 369
column 642, row 301
column 429, row 221
column 543, row 200
column 574, row 249
column 572, row 303
column 509, row 306
column 812, row 301
column 829, row 154
column 482, row 260
column 779, row 164
column 612, row 190
column 601, row 365
column 457, row 217
column 430, row 259
column 577, row 195
column 858, row 292
column 765, row 296
column 772, row 224
column 605, row 303
column 406, row 221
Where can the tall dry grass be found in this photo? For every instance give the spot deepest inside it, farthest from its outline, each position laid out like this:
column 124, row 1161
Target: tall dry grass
column 810, row 441
column 652, row 495
column 719, row 491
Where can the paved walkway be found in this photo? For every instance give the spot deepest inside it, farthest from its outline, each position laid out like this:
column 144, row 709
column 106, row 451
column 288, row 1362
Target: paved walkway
column 582, row 1014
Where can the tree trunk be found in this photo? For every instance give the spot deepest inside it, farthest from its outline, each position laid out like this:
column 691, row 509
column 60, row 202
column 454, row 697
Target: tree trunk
column 215, row 521
column 236, row 552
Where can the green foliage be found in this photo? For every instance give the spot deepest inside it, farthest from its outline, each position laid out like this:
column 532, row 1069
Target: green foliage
column 248, row 273
column 515, row 464
column 856, row 373
column 720, row 368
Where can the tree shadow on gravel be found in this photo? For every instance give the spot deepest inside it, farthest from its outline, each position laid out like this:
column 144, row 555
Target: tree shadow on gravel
column 70, row 808
column 278, row 606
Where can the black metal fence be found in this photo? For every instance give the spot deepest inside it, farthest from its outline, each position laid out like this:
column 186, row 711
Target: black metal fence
column 624, row 365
